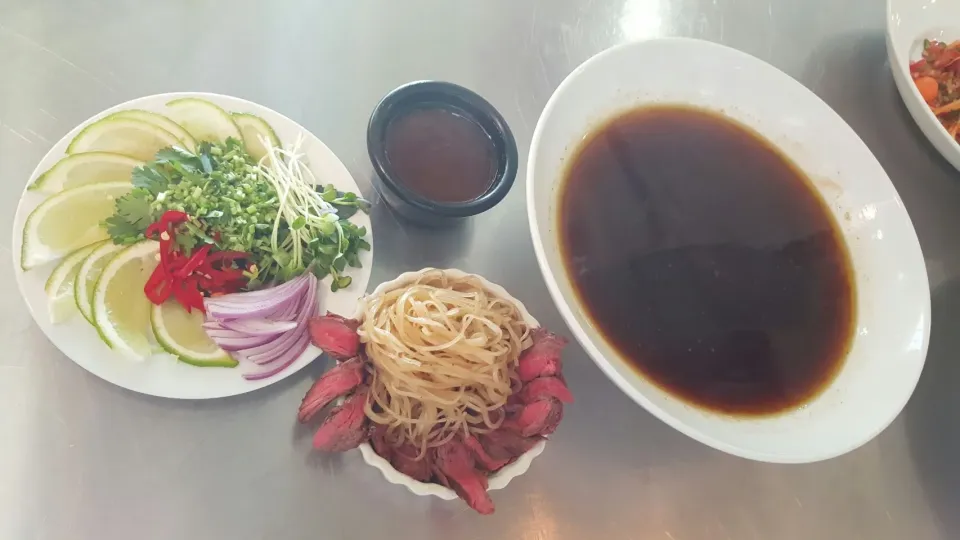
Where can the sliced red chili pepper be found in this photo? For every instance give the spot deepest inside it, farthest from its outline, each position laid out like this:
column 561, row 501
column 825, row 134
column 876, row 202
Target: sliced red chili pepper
column 173, row 217
column 169, row 218
column 188, row 278
column 194, row 261
column 163, row 292
column 154, row 230
column 157, row 288
column 188, row 295
column 194, row 295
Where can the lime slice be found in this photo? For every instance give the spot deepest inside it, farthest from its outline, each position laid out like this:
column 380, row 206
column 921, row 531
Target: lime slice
column 134, row 138
column 60, row 284
column 86, row 168
column 67, row 221
column 204, row 120
column 252, row 127
column 87, row 275
column 162, row 122
column 182, row 335
column 121, row 311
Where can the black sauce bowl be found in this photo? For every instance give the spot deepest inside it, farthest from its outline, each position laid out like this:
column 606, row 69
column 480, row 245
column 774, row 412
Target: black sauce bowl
column 442, row 95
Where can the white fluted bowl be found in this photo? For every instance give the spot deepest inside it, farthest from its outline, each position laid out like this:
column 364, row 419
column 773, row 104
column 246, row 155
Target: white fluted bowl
column 497, row 480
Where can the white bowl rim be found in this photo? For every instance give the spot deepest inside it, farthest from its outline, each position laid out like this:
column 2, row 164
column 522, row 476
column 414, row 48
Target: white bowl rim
column 585, row 341
column 495, row 481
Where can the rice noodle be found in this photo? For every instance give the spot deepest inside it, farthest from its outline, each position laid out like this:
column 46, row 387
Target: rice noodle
column 444, row 353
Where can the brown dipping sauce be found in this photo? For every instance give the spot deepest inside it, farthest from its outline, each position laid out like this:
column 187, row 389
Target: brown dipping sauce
column 441, row 154
column 707, row 260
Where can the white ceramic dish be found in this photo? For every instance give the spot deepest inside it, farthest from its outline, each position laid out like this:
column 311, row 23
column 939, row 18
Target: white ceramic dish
column 501, row 478
column 909, row 22
column 161, row 375
column 893, row 300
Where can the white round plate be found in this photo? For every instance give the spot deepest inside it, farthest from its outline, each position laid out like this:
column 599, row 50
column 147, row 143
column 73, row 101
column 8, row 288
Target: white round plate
column 893, row 299
column 497, row 480
column 909, row 22
column 161, row 375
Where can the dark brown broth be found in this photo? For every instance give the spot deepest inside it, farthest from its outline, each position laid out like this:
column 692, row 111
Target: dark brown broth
column 707, row 260
column 441, row 155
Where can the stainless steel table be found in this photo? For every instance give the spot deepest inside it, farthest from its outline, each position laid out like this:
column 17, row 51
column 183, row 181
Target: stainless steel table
column 80, row 459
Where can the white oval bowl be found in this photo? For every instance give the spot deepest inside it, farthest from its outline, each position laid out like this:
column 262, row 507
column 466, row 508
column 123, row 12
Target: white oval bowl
column 909, row 22
column 893, row 300
column 499, row 479
column 161, row 375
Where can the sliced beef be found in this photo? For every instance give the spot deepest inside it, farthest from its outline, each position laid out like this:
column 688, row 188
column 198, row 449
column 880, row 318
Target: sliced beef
column 506, row 444
column 456, row 463
column 346, row 426
column 542, row 359
column 405, row 460
column 553, row 421
column 484, row 459
column 537, row 418
column 335, row 335
column 545, row 387
column 438, row 474
column 380, row 444
column 339, row 381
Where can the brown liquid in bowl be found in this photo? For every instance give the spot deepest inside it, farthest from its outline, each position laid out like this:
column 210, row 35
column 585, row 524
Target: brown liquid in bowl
column 707, row 260
column 441, row 155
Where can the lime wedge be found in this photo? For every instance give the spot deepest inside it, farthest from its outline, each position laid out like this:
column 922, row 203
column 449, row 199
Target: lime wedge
column 87, row 275
column 121, row 311
column 161, row 121
column 86, row 168
column 60, row 284
column 252, row 127
column 182, row 335
column 134, row 138
column 68, row 221
column 204, row 120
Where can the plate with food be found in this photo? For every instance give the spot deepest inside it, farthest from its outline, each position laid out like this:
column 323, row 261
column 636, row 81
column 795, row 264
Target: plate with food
column 443, row 380
column 177, row 244
column 743, row 270
column 923, row 45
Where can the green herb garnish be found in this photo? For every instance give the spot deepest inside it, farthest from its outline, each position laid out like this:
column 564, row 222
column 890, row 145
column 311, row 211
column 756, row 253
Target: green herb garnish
column 238, row 205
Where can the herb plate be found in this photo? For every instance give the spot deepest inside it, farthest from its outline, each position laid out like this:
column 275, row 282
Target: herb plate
column 161, row 375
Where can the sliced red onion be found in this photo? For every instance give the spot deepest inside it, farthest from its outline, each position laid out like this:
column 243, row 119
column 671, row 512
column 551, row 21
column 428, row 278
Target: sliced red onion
column 270, row 291
column 288, row 313
column 238, row 344
column 264, row 327
column 238, row 305
column 259, row 327
column 310, row 307
column 263, row 352
column 256, row 308
column 223, row 333
column 289, row 357
column 278, row 347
